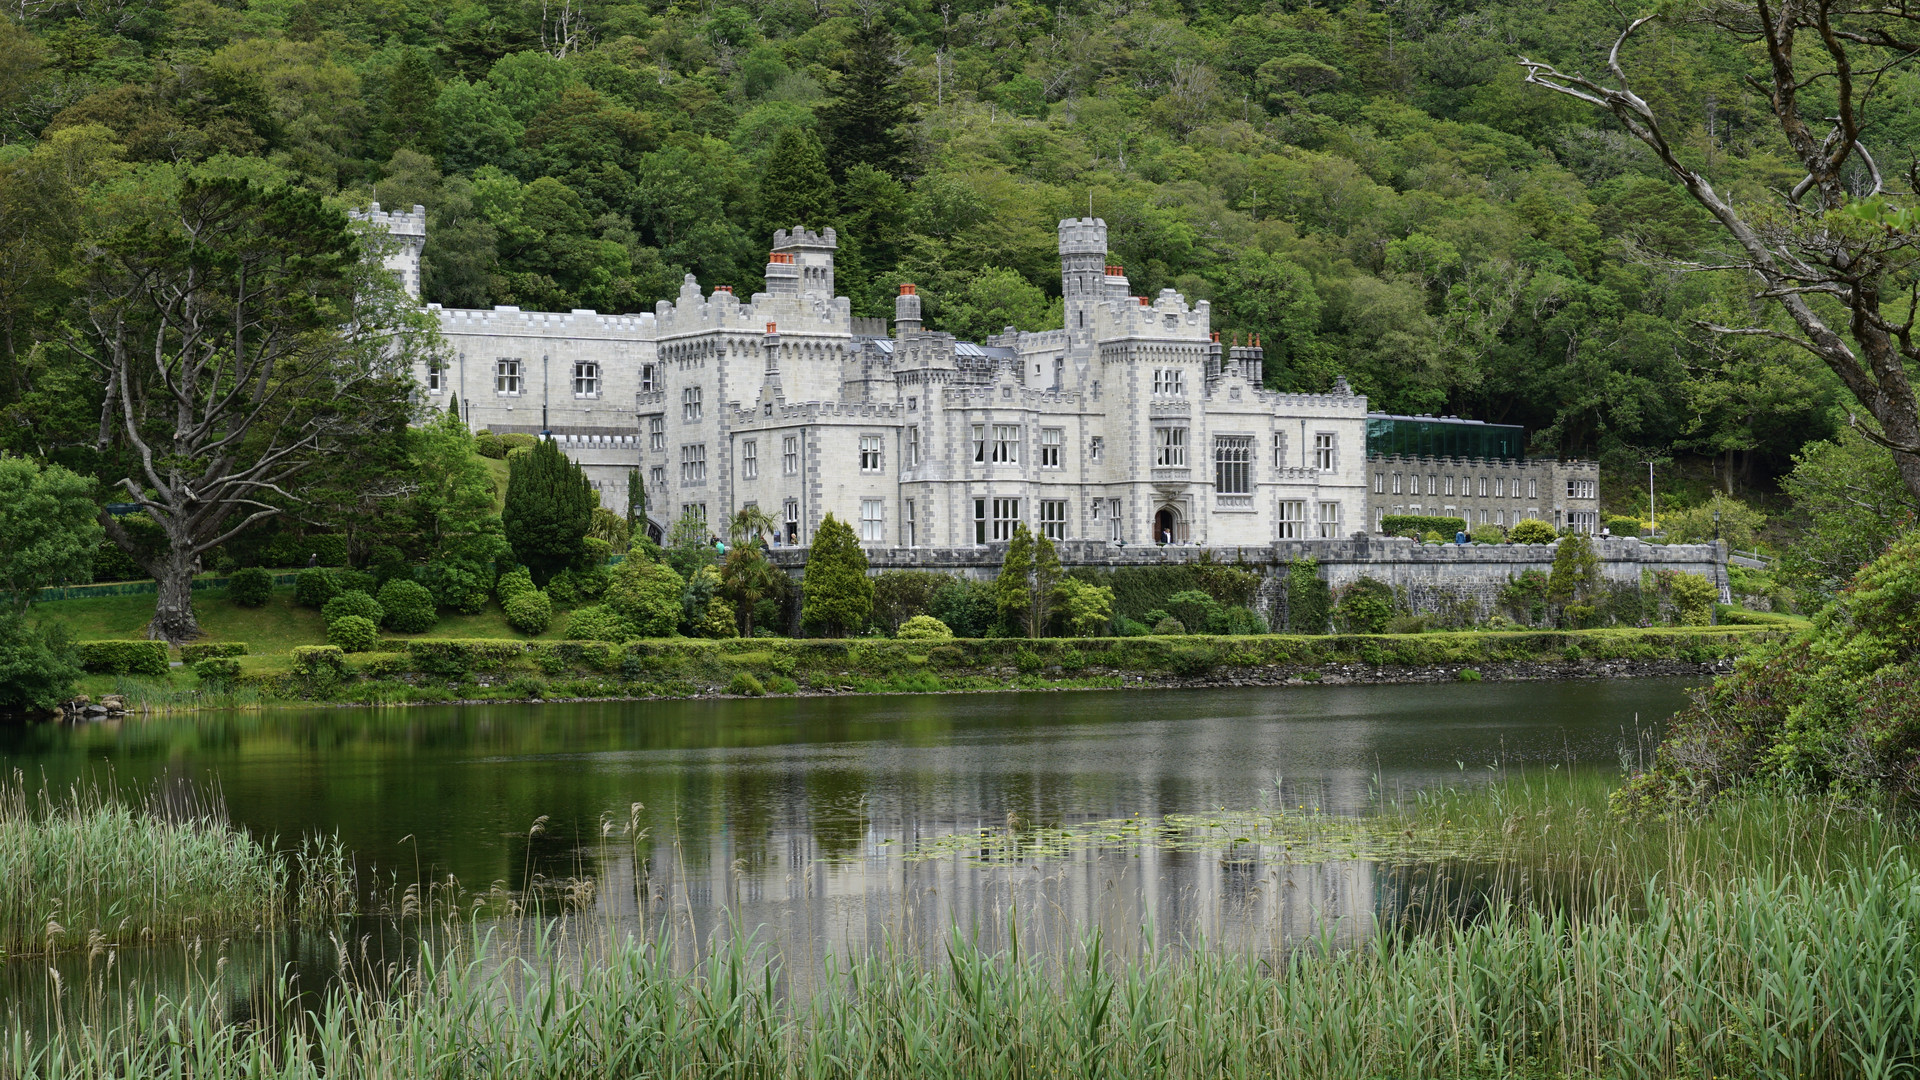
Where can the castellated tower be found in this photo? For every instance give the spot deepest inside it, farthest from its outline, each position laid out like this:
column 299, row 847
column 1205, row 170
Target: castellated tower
column 810, row 254
column 409, row 233
column 1083, row 269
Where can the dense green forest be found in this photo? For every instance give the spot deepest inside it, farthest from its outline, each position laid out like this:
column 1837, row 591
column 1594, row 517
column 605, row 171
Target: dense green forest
column 1371, row 188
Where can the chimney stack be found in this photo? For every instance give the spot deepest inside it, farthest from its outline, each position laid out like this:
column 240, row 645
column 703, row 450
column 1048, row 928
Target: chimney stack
column 906, row 310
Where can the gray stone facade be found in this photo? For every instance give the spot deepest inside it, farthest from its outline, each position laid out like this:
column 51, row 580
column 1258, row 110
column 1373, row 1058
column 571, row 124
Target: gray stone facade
column 1501, row 491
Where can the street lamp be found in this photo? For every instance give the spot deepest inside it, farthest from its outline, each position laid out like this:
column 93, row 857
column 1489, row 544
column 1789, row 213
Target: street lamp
column 1716, row 528
column 1653, row 526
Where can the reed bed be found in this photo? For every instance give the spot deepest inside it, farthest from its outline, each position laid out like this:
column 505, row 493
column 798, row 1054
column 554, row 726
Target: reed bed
column 85, row 868
column 1766, row 938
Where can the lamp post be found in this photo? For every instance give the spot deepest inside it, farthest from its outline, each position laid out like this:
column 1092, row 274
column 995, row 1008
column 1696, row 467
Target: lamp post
column 1653, row 526
column 1716, row 528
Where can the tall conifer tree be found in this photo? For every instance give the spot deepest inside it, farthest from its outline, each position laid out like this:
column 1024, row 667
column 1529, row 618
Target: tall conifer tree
column 409, row 122
column 549, row 507
column 795, row 188
column 837, row 595
column 865, row 122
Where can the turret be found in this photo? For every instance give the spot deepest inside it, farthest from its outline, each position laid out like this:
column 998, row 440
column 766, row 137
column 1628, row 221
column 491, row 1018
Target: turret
column 1083, row 268
column 812, row 254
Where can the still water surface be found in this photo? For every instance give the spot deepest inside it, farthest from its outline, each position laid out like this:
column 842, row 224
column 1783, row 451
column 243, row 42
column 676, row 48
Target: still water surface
column 792, row 817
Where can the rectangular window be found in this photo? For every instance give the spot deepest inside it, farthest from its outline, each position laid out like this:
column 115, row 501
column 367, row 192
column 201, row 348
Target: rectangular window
column 1114, row 522
column 980, row 442
column 1006, row 514
column 693, row 463
column 506, row 376
column 750, row 459
column 1170, row 447
column 1499, row 517
column 913, row 446
column 790, row 455
column 1293, row 519
column 690, row 404
column 646, row 377
column 1323, row 451
column 657, row 433
column 1533, row 488
column 1050, row 447
column 1379, row 483
column 1483, row 517
column 1433, row 484
column 1329, row 521
column 1499, row 487
column 1170, row 382
column 790, row 518
column 1097, row 449
column 869, row 453
column 1449, row 483
column 909, row 534
column 657, row 477
column 979, row 521
column 1396, row 483
column 872, row 521
column 586, row 378
column 1232, row 464
column 1053, row 518
column 1006, row 443
column 696, row 511
column 436, row 379
column 1279, row 451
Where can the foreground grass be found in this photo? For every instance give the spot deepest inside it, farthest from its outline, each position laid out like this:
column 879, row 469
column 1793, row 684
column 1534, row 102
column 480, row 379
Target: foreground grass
column 1702, row 950
column 85, row 869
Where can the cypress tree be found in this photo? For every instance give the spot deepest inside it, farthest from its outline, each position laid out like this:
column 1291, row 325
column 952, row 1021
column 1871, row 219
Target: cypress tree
column 838, row 595
column 453, row 409
column 636, row 504
column 1046, row 578
column 795, row 188
column 865, row 121
column 1012, row 590
column 549, row 507
column 409, row 122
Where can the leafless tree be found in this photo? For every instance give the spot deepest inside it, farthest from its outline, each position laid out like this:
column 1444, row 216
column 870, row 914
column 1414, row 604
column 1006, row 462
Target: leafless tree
column 1835, row 254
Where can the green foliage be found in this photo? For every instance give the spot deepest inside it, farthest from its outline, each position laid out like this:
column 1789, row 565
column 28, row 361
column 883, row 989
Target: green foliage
column 461, row 586
column 1418, row 525
column 314, row 587
column 1363, row 607
column 1739, row 525
column 1855, row 505
column 530, row 612
column 795, row 189
column 705, row 610
column 598, row 622
column 1831, row 709
column 1086, row 608
column 899, row 595
column 123, row 657
column 217, row 672
column 924, row 628
column 548, row 509
column 48, row 531
column 1167, row 626
column 353, row 602
column 1694, row 596
column 320, row 664
column 836, row 594
column 1488, row 534
column 202, row 650
column 965, row 605
column 353, row 633
column 408, row 607
column 1013, row 588
column 515, row 582
column 1531, row 531
column 1140, row 589
column 1623, row 526
column 487, row 444
column 37, row 665
column 1576, row 571
column 647, row 595
column 745, row 684
column 1525, row 597
column 1309, row 600
column 1467, row 674
column 251, row 587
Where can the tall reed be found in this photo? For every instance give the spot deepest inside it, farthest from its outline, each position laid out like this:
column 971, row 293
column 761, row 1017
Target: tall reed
column 87, row 868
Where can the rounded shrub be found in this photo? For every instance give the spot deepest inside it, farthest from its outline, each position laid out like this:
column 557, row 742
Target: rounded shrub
column 745, row 685
column 530, row 612
column 1169, row 625
column 251, row 587
column 353, row 633
column 314, row 587
column 597, row 622
column 1488, row 534
column 353, row 602
column 1533, row 531
column 925, row 628
column 408, row 605
column 514, row 582
column 458, row 585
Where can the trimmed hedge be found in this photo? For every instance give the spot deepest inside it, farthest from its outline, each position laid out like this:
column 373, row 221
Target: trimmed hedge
column 314, row 587
column 530, row 612
column 353, row 633
column 1402, row 524
column 312, row 660
column 353, row 602
column 207, row 650
column 123, row 657
column 251, row 587
column 217, row 671
column 408, row 606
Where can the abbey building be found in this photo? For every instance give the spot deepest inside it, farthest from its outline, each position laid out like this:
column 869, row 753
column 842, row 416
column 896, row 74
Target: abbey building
column 1132, row 423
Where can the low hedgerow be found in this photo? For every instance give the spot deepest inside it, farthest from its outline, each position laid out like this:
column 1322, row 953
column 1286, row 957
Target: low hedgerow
column 202, row 650
column 123, row 657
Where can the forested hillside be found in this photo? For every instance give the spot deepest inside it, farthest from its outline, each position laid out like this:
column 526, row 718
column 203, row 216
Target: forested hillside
column 1371, row 189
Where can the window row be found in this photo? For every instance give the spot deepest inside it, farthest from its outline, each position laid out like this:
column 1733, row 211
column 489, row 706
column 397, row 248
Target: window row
column 1294, row 524
column 509, row 378
column 1169, row 382
column 1491, row 487
column 1583, row 489
column 1233, row 456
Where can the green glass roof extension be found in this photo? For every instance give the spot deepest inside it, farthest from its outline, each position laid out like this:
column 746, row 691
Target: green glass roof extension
column 1436, row 436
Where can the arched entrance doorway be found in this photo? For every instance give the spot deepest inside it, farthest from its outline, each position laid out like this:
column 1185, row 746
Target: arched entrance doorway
column 1166, row 526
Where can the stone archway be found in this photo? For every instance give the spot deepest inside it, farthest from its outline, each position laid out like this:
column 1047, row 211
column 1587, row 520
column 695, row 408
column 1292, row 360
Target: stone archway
column 1167, row 526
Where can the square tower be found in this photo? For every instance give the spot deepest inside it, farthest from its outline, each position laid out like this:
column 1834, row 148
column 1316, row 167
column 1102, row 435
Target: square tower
column 810, row 255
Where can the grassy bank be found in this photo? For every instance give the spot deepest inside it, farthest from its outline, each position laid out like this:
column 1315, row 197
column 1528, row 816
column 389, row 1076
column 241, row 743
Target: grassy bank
column 430, row 669
column 1706, row 950
column 84, row 869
